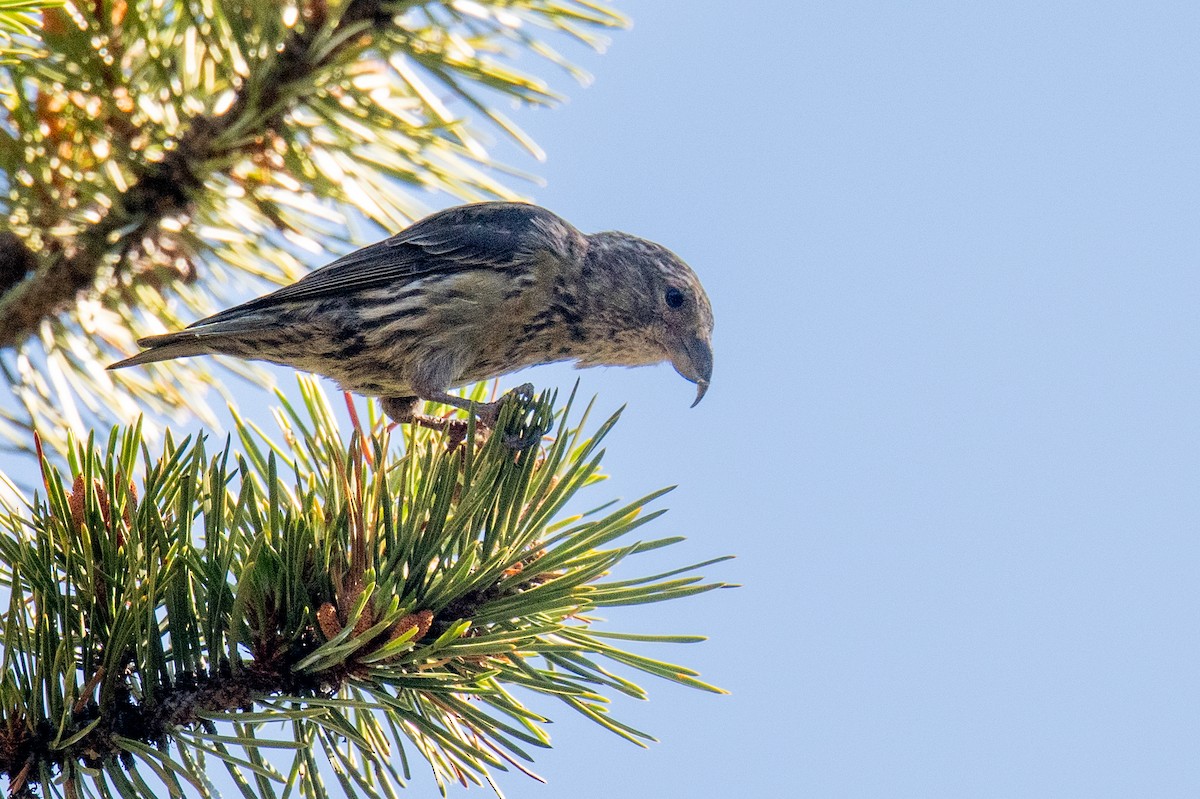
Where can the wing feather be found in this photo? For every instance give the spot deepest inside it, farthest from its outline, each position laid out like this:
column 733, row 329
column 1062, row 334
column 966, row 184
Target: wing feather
column 490, row 235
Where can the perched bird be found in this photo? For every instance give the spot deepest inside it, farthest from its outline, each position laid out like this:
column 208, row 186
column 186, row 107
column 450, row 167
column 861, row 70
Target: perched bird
column 463, row 295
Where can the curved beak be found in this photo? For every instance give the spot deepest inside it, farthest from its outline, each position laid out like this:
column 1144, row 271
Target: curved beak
column 692, row 357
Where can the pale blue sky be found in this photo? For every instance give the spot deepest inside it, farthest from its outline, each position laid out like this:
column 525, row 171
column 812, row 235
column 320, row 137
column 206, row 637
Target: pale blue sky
column 953, row 435
column 954, row 430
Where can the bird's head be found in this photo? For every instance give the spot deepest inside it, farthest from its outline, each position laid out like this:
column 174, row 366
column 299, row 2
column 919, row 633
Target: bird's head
column 647, row 289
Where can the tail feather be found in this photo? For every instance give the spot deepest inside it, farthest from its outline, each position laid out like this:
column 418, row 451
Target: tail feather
column 224, row 333
column 167, row 347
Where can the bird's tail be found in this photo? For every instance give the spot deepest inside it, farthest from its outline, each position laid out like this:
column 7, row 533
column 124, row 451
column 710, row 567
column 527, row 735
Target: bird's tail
column 183, row 344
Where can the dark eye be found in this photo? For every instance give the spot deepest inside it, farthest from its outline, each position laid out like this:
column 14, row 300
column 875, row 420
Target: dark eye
column 674, row 297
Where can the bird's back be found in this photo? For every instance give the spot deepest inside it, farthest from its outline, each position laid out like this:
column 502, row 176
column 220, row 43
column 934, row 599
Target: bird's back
column 448, row 282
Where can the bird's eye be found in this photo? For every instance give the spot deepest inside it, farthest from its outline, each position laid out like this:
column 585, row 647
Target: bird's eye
column 674, row 297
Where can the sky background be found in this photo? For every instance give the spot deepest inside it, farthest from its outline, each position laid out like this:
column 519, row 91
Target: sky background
column 953, row 434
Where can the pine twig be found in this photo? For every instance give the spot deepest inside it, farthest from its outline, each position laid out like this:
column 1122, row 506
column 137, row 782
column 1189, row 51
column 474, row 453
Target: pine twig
column 167, row 187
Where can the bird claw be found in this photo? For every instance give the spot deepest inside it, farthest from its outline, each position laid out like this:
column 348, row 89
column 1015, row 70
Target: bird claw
column 489, row 413
column 489, row 416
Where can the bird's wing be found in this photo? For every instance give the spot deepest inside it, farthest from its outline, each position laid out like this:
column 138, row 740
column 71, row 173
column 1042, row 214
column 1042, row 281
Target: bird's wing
column 489, row 235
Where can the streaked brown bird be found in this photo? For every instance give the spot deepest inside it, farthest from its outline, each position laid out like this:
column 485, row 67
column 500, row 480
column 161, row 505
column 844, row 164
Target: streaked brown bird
column 463, row 295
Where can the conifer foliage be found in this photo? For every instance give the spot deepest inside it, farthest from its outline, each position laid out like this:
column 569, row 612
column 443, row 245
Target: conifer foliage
column 355, row 610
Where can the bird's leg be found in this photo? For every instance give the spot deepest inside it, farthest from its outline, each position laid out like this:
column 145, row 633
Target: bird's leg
column 403, row 410
column 486, row 412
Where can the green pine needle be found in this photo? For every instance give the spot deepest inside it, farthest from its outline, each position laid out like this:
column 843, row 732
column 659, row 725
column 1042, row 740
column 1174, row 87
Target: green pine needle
column 386, row 598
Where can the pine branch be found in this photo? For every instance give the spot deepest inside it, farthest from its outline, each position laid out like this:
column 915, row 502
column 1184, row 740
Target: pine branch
column 211, row 145
column 162, row 158
column 165, row 611
column 16, row 261
column 19, row 17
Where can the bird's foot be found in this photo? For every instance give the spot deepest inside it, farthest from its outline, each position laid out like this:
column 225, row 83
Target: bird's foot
column 455, row 429
column 403, row 410
column 488, row 413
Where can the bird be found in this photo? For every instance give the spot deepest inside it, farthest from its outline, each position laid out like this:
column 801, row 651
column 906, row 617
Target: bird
column 463, row 295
